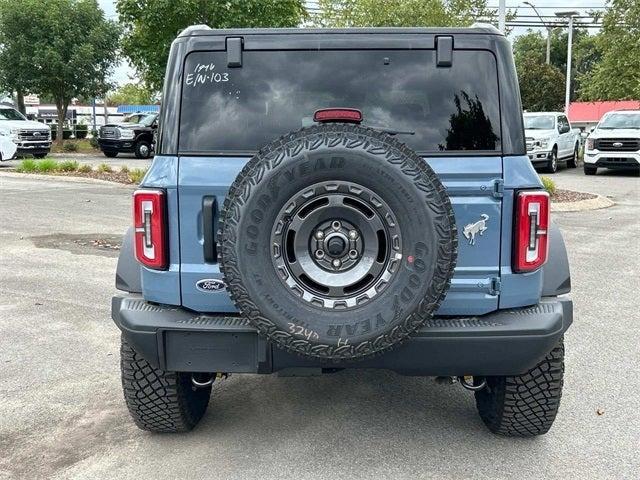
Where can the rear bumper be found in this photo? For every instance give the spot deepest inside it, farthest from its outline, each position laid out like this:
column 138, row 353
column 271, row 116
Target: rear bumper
column 507, row 342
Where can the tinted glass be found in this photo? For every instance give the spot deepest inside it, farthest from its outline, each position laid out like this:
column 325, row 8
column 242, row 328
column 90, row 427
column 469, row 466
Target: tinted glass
column 539, row 122
column 241, row 109
column 10, row 114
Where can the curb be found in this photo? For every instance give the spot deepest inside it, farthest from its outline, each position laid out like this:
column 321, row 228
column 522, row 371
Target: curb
column 64, row 178
column 582, row 205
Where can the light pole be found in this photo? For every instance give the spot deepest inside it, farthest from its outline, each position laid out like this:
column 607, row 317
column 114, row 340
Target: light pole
column 567, row 92
column 502, row 14
column 548, row 31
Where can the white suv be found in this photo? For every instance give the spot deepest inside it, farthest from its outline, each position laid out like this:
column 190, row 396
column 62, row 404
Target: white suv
column 614, row 143
column 550, row 140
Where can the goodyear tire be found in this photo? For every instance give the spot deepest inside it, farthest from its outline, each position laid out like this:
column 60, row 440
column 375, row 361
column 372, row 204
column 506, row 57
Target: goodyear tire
column 337, row 242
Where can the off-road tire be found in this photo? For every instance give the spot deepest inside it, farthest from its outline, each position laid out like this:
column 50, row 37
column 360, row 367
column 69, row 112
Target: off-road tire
column 524, row 405
column 110, row 153
column 589, row 170
column 159, row 401
column 376, row 161
column 573, row 161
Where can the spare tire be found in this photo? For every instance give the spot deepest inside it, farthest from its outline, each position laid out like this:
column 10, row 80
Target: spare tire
column 337, row 242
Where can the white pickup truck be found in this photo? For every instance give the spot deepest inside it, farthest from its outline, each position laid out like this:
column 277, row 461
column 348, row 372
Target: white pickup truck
column 19, row 136
column 550, row 140
column 614, row 143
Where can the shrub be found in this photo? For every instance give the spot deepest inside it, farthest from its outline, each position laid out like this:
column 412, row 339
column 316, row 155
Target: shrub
column 94, row 139
column 105, row 168
column 124, row 169
column 81, row 131
column 47, row 165
column 26, row 166
column 70, row 146
column 85, row 168
column 66, row 134
column 549, row 185
column 137, row 174
column 68, row 166
column 54, row 131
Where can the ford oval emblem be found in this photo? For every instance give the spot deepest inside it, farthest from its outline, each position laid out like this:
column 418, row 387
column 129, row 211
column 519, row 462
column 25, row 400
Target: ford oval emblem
column 211, row 285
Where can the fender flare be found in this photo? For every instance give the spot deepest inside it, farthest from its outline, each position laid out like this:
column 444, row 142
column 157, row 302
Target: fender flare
column 556, row 277
column 128, row 271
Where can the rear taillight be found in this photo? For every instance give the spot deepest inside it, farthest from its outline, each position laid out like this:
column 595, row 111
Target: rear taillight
column 532, row 231
column 346, row 115
column 149, row 221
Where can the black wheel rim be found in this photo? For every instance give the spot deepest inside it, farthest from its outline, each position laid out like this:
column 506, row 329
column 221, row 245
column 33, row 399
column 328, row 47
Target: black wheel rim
column 336, row 245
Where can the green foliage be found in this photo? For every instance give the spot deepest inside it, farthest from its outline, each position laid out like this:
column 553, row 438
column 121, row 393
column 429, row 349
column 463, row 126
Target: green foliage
column 47, row 165
column 70, row 146
column 84, row 168
column 402, row 13
column 124, row 169
column 137, row 174
column 549, row 185
column 105, row 168
column 81, row 131
column 151, row 25
column 66, row 50
column 617, row 75
column 68, row 166
column 131, row 94
column 27, row 165
column 541, row 86
column 532, row 47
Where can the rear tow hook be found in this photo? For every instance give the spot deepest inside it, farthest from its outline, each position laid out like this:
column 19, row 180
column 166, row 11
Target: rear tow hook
column 468, row 382
column 204, row 380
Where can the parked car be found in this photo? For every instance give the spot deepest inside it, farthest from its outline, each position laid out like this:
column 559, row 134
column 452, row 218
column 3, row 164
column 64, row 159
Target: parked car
column 614, row 143
column 134, row 135
column 551, row 140
column 405, row 230
column 29, row 137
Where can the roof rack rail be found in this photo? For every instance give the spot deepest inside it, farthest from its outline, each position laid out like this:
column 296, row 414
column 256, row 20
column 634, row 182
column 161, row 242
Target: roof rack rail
column 193, row 28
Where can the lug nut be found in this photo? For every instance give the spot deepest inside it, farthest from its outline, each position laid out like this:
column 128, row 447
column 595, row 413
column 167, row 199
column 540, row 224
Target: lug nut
column 353, row 234
column 353, row 254
column 336, row 225
column 337, row 263
column 319, row 234
column 319, row 253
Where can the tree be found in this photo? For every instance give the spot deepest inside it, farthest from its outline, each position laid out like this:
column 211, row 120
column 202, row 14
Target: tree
column 401, row 13
column 67, row 50
column 541, row 86
column 616, row 76
column 532, row 46
column 131, row 94
column 151, row 25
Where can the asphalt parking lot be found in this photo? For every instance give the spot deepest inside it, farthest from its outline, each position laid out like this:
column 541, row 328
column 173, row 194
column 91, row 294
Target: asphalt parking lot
column 62, row 414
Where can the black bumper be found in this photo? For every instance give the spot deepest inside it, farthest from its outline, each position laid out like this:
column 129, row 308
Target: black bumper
column 507, row 342
column 33, row 149
column 126, row 146
column 622, row 163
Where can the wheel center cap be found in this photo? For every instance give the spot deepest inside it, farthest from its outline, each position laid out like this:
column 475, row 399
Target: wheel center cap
column 336, row 246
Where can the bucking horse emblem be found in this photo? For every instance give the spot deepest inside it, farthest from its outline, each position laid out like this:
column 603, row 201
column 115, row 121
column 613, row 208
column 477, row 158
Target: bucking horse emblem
column 470, row 231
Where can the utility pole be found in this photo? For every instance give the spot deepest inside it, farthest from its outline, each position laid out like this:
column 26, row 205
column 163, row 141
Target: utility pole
column 502, row 14
column 548, row 31
column 567, row 91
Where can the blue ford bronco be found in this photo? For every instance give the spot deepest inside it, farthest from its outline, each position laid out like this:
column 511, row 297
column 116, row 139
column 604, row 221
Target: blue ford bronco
column 332, row 199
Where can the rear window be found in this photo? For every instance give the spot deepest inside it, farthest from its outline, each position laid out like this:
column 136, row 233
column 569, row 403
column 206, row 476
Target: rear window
column 238, row 110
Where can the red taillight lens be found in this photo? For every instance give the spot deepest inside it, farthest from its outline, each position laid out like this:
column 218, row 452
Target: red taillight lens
column 532, row 231
column 349, row 115
column 149, row 222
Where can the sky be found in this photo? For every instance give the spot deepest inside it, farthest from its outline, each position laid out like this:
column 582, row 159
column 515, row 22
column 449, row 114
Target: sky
column 124, row 73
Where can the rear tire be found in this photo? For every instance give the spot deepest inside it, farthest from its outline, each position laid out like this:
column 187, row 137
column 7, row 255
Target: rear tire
column 524, row 405
column 589, row 170
column 160, row 401
column 110, row 154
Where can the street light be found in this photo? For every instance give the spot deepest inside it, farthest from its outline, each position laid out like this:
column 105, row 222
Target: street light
column 568, row 14
column 548, row 31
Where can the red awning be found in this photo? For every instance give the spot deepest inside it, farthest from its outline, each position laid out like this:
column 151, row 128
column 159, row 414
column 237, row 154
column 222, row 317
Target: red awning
column 593, row 111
